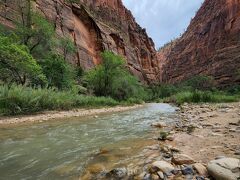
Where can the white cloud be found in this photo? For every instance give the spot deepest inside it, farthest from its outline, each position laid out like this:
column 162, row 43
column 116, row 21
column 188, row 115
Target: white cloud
column 163, row 19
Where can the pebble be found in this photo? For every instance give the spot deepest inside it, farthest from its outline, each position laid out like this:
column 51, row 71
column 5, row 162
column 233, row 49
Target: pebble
column 160, row 174
column 187, row 170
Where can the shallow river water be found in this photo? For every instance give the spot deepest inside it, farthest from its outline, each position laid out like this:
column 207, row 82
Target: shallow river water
column 62, row 149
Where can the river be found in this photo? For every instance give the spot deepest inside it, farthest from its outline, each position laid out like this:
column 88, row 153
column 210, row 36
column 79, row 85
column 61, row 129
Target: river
column 62, row 149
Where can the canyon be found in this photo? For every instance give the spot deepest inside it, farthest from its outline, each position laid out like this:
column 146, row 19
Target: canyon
column 210, row 46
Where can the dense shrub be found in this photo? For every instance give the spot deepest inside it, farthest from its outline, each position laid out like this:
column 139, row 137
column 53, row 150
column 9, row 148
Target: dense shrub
column 59, row 73
column 111, row 78
column 22, row 100
column 201, row 96
column 17, row 64
column 200, row 82
column 162, row 91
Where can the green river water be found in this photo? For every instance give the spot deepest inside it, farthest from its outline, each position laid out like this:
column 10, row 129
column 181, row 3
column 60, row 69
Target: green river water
column 62, row 149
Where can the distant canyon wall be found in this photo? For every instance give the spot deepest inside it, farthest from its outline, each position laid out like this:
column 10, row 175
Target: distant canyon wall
column 210, row 46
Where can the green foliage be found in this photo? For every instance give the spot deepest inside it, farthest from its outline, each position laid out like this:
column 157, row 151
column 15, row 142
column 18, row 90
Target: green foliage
column 163, row 135
column 22, row 100
column 37, row 33
column 203, row 83
column 111, row 78
column 59, row 73
column 67, row 45
column 17, row 65
column 201, row 96
column 162, row 91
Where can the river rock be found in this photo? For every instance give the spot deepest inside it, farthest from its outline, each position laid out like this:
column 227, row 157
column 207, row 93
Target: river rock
column 160, row 174
column 154, row 177
column 162, row 166
column 180, row 159
column 188, row 170
column 117, row 173
column 201, row 169
column 159, row 125
column 224, row 169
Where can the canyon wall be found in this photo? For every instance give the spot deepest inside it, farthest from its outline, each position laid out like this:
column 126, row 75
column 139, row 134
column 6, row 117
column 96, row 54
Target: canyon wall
column 95, row 26
column 210, row 46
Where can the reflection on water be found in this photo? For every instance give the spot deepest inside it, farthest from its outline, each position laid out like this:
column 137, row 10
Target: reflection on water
column 62, row 149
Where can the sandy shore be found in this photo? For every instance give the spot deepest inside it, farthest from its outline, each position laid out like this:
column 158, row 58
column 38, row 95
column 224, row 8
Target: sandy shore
column 53, row 115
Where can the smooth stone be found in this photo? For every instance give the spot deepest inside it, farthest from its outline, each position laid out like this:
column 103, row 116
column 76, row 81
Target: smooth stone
column 154, row 177
column 224, row 169
column 160, row 174
column 180, row 159
column 201, row 169
column 219, row 157
column 163, row 166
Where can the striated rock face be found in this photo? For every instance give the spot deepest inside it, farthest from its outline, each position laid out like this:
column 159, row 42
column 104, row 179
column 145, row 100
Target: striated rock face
column 94, row 26
column 210, row 46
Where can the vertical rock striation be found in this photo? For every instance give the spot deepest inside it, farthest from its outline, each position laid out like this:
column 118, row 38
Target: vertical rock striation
column 210, row 46
column 95, row 26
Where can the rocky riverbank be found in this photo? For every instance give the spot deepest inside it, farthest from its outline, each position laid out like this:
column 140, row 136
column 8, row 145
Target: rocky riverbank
column 203, row 144
column 53, row 115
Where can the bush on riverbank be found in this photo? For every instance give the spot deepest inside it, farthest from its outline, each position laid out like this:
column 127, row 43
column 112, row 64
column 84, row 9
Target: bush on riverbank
column 16, row 100
column 201, row 97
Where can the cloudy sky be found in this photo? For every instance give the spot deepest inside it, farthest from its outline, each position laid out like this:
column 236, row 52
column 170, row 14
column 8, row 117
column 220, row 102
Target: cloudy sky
column 163, row 19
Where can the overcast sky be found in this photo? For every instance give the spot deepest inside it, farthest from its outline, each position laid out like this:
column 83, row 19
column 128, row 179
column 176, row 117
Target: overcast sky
column 163, row 19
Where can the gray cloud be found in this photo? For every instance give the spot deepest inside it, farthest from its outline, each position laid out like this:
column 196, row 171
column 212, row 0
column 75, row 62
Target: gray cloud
column 163, row 19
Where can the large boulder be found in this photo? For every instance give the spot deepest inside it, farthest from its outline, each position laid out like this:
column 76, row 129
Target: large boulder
column 224, row 169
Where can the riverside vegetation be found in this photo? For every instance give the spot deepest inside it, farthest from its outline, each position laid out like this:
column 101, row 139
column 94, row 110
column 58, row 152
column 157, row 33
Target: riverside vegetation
column 36, row 75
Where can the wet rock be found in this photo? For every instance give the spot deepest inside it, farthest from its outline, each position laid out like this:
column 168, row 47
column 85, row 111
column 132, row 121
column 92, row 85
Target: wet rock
column 188, row 170
column 201, row 169
column 117, row 173
column 162, row 166
column 180, row 159
column 224, row 169
column 159, row 125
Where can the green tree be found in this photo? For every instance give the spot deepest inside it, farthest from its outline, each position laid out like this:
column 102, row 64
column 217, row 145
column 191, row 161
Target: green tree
column 33, row 30
column 17, row 65
column 112, row 78
column 59, row 73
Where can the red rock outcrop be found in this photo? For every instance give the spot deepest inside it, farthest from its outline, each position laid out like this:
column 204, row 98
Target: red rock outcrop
column 210, row 46
column 95, row 26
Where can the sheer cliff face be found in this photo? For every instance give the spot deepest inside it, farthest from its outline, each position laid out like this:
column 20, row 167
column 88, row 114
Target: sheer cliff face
column 210, row 46
column 95, row 26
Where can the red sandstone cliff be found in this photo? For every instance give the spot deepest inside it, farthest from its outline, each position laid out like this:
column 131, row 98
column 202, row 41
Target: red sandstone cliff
column 210, row 46
column 94, row 26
